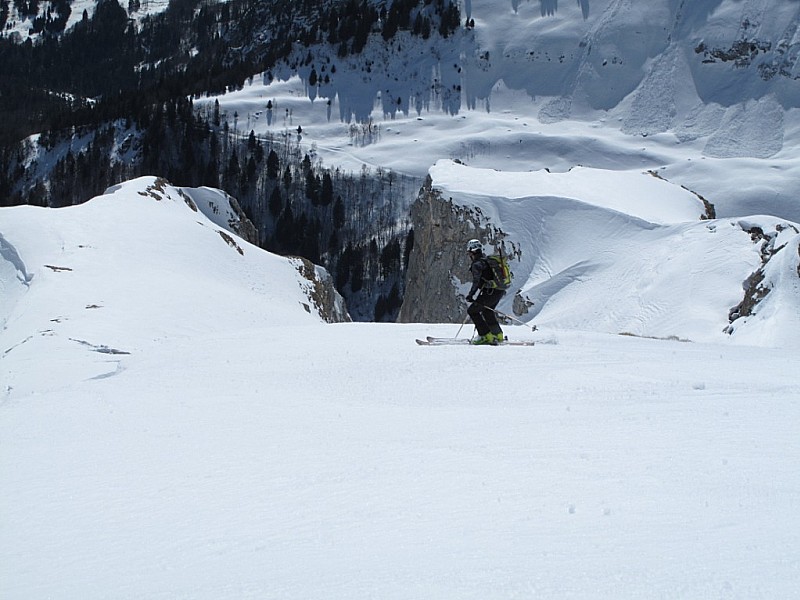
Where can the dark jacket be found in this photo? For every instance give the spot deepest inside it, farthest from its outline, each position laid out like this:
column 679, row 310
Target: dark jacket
column 481, row 273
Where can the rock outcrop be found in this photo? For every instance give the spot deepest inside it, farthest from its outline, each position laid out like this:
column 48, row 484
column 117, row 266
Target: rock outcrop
column 321, row 293
column 438, row 270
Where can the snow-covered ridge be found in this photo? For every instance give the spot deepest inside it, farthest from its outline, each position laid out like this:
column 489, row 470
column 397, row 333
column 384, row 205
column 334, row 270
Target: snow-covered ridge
column 640, row 195
column 138, row 263
column 628, row 253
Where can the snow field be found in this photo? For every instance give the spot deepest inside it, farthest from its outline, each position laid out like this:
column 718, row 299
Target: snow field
column 348, row 462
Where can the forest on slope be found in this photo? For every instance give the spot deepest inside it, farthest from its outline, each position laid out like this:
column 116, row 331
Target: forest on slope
column 111, row 99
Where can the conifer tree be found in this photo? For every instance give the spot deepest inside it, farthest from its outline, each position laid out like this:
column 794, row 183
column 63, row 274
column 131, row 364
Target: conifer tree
column 273, row 165
column 275, row 203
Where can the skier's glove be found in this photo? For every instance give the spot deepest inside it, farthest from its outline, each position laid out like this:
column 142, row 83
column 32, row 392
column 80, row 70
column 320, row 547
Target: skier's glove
column 470, row 298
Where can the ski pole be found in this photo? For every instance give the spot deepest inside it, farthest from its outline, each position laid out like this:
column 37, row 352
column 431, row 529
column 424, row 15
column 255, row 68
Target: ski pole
column 462, row 324
column 503, row 315
column 510, row 318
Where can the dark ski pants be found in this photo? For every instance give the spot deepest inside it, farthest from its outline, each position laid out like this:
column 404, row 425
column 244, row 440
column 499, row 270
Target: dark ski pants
column 481, row 312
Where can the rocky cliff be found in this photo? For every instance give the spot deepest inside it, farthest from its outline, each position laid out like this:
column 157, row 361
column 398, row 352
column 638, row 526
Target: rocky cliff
column 321, row 293
column 438, row 270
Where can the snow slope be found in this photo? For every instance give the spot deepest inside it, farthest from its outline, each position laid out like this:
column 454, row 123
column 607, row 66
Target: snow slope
column 628, row 253
column 142, row 253
column 174, row 424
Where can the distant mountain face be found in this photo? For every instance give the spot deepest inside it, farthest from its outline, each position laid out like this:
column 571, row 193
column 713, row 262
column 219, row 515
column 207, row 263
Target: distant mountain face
column 724, row 70
column 700, row 68
column 729, row 51
column 722, row 75
column 661, row 59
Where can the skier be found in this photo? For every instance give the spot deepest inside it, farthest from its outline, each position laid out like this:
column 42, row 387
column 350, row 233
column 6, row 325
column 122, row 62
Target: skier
column 481, row 309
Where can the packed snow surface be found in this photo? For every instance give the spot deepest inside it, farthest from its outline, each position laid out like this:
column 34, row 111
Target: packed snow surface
column 175, row 424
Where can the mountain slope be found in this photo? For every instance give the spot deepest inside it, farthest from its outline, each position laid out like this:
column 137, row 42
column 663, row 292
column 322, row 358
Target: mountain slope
column 628, row 253
column 142, row 253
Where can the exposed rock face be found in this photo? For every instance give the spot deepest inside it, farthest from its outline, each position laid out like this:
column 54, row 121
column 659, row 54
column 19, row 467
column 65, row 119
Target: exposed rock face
column 242, row 226
column 322, row 295
column 439, row 263
column 219, row 206
column 760, row 283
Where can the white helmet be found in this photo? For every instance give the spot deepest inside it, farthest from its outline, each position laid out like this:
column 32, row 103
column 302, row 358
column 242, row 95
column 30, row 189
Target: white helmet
column 474, row 246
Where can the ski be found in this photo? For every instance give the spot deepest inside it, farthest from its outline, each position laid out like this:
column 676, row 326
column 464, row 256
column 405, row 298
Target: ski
column 432, row 341
column 440, row 341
